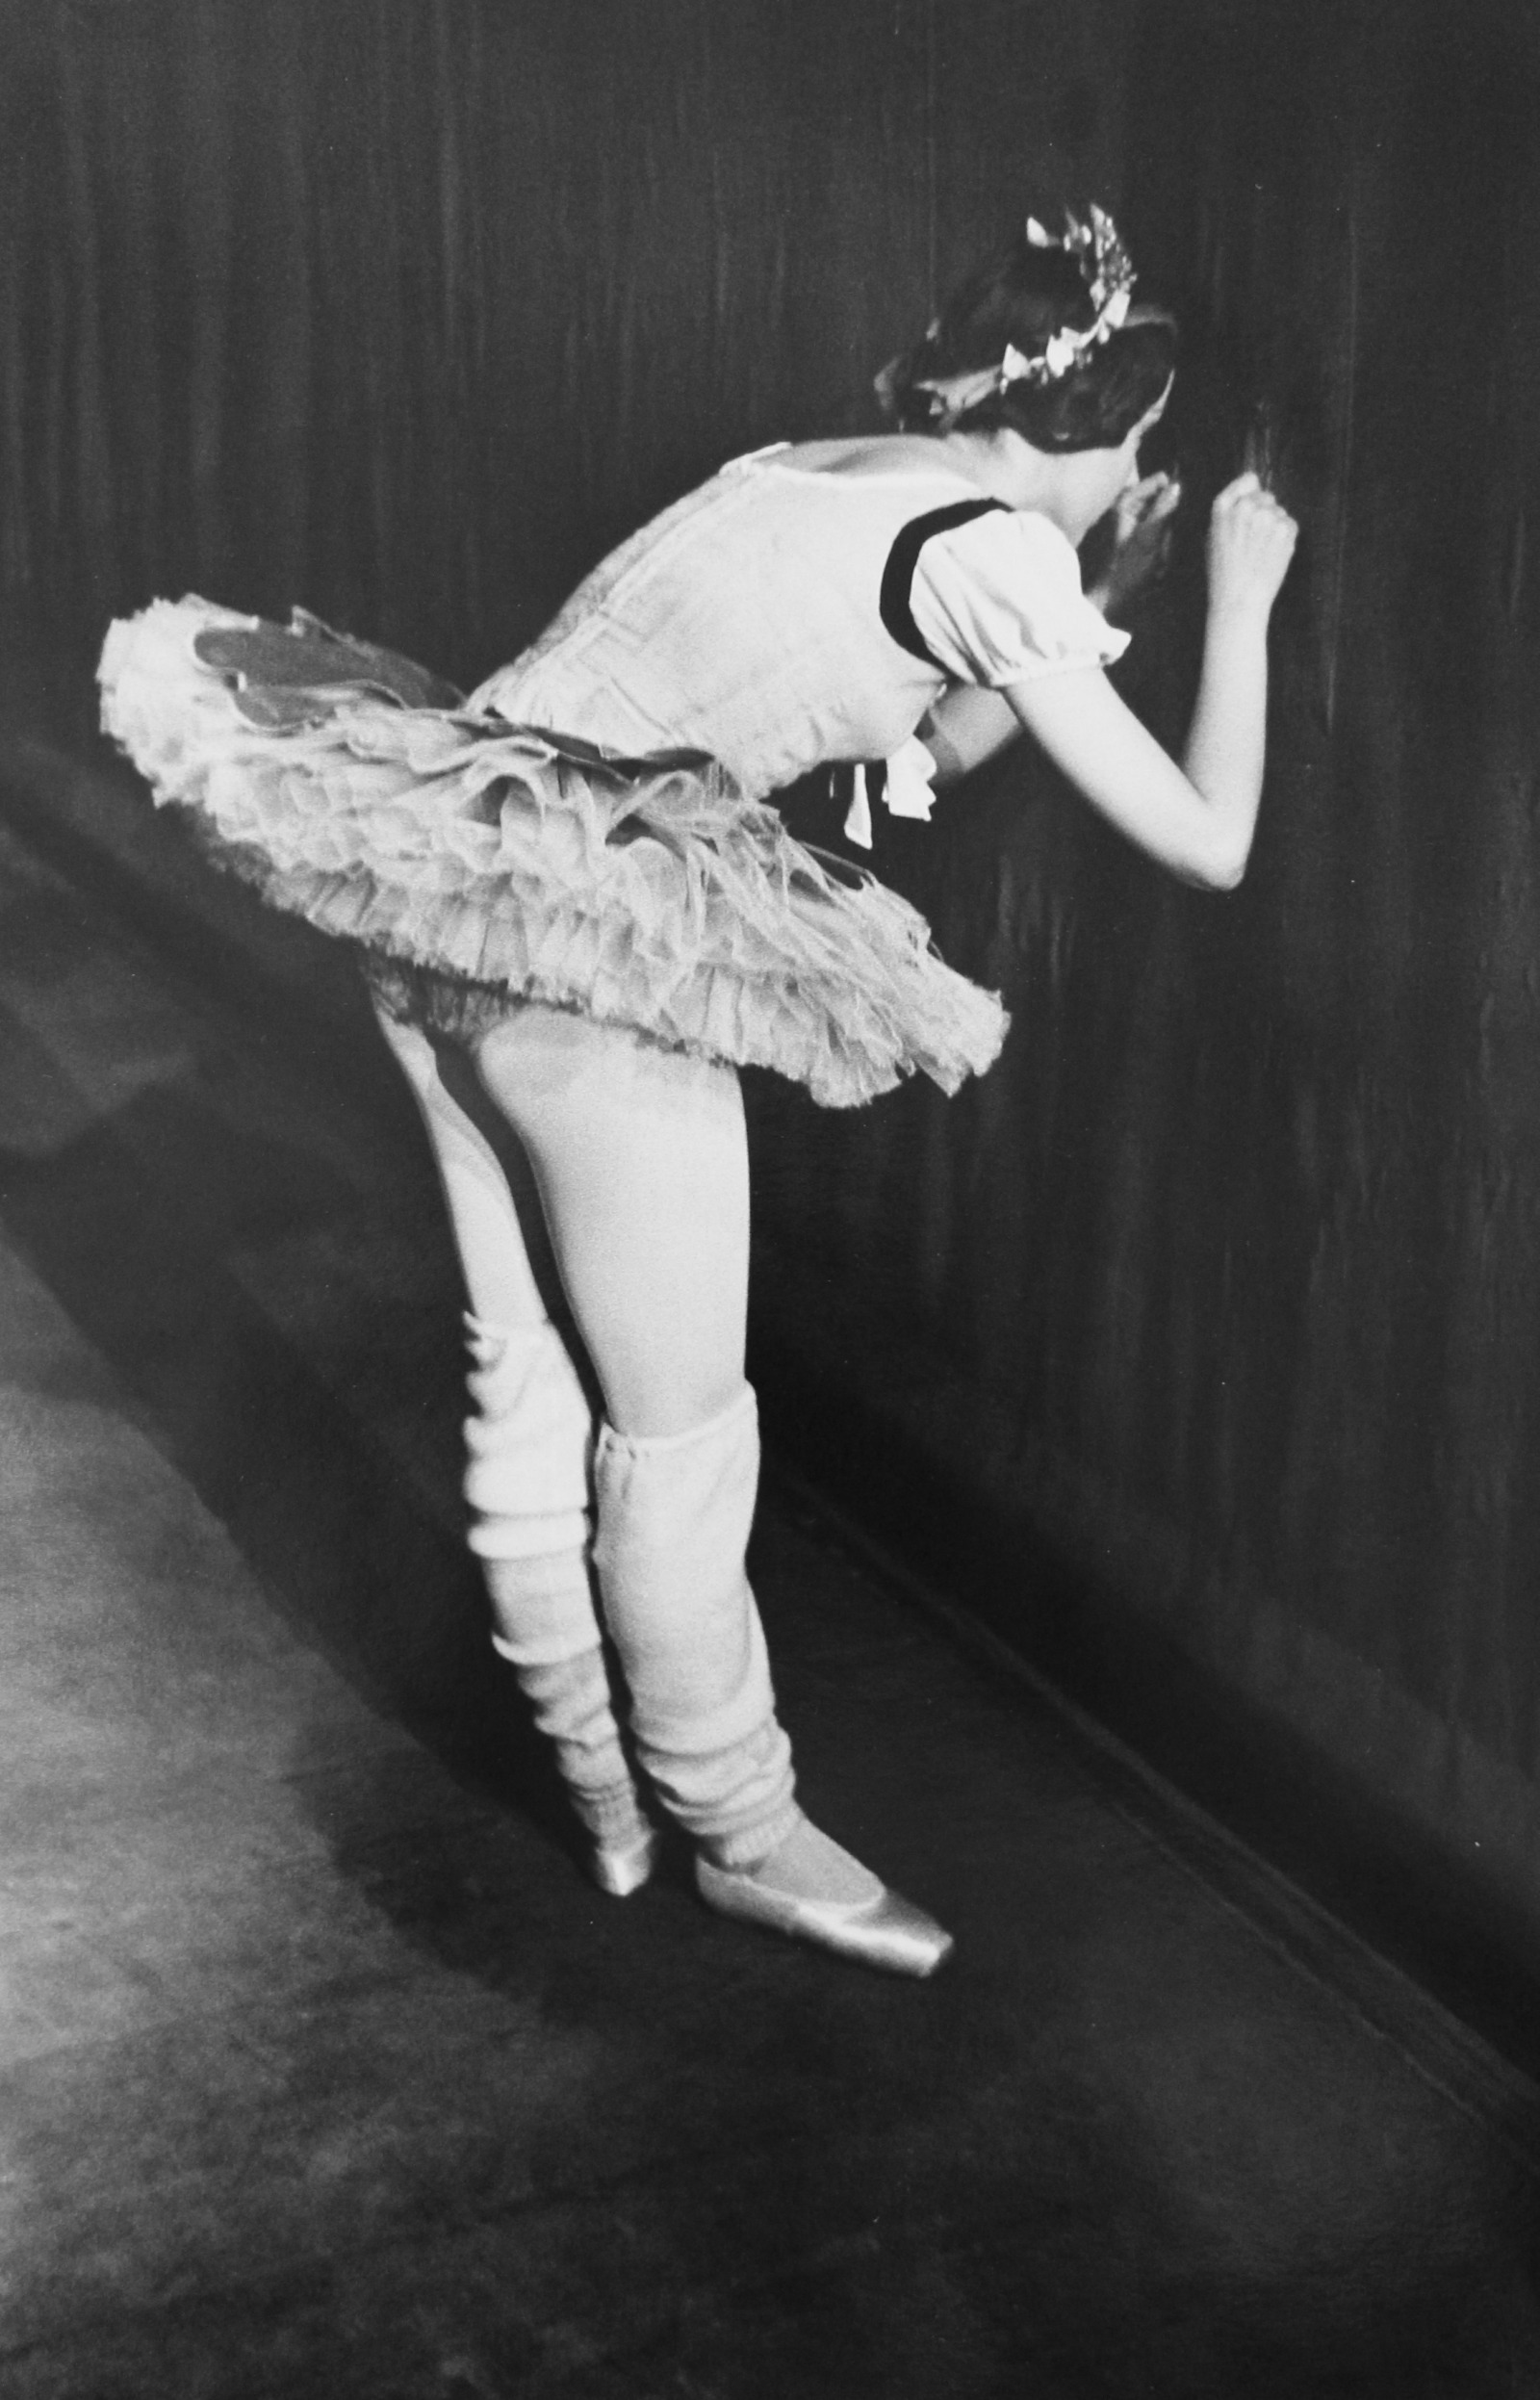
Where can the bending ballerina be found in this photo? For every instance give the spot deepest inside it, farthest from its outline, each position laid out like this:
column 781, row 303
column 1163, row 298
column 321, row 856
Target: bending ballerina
column 579, row 915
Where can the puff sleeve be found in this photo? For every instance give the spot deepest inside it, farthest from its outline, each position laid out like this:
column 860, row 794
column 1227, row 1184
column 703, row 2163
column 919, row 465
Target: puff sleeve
column 997, row 600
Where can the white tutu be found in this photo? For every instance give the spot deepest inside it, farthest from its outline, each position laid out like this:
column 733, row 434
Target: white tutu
column 482, row 864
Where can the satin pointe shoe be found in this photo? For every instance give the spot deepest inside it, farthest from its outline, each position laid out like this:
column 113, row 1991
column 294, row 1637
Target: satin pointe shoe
column 622, row 1868
column 885, row 1931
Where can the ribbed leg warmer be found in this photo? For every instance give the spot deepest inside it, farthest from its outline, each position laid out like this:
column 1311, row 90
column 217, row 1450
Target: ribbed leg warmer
column 526, row 1480
column 526, row 1444
column 674, row 1520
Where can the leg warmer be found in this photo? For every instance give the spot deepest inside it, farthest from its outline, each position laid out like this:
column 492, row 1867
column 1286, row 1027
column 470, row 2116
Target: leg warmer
column 570, row 1701
column 527, row 1443
column 674, row 1520
column 526, row 1480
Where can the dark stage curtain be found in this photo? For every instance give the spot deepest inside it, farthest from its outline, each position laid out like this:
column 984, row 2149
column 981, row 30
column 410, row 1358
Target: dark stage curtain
column 414, row 307
column 1211, row 1321
column 1196, row 1346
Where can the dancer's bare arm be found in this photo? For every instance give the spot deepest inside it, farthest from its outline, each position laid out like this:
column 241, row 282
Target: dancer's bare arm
column 1197, row 818
column 969, row 724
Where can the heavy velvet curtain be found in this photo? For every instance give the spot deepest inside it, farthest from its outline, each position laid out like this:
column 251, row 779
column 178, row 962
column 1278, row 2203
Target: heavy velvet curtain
column 1197, row 1347
column 1209, row 1326
column 413, row 307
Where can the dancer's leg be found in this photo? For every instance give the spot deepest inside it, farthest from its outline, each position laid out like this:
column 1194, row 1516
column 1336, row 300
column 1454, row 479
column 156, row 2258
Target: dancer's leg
column 528, row 1441
column 642, row 1161
column 641, row 1157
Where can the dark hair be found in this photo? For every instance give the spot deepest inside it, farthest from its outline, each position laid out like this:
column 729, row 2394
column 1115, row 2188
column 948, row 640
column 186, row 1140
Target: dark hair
column 1022, row 297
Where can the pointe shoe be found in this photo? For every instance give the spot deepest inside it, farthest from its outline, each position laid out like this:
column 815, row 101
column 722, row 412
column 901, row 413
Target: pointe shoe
column 885, row 1931
column 622, row 1868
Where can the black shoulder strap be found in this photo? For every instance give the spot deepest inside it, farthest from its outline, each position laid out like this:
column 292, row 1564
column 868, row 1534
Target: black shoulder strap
column 898, row 575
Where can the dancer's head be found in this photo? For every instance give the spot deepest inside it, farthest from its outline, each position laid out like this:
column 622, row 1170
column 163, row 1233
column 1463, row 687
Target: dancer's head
column 1043, row 340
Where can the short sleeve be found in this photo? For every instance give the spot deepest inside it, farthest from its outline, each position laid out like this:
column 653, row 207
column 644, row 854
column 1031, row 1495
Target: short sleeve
column 997, row 600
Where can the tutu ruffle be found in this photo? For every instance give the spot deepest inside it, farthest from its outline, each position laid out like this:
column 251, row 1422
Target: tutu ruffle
column 482, row 864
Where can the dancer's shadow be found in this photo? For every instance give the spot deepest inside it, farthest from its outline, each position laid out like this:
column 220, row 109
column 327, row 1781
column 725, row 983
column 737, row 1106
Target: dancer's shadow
column 143, row 1226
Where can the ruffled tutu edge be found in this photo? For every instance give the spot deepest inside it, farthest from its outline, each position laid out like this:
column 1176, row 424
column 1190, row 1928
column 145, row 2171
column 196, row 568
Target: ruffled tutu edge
column 480, row 865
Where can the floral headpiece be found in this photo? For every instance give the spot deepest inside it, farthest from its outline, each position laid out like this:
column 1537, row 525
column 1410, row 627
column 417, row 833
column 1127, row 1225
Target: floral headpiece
column 1108, row 274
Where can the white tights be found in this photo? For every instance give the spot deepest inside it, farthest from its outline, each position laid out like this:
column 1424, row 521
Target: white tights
column 640, row 1159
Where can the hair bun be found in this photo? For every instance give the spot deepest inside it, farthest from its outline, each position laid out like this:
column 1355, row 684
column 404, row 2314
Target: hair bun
column 1040, row 339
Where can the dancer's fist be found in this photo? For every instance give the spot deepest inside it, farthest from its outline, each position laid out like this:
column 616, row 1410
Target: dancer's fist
column 1251, row 540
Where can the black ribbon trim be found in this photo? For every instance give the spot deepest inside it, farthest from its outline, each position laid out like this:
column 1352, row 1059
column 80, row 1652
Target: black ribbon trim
column 898, row 575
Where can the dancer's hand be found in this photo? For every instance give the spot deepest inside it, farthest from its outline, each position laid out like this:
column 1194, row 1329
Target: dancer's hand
column 1141, row 542
column 1251, row 540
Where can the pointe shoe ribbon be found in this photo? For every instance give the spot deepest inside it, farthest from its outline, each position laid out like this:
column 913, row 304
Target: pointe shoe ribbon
column 886, row 1932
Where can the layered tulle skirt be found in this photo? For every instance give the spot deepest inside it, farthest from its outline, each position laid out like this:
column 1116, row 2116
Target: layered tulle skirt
column 480, row 865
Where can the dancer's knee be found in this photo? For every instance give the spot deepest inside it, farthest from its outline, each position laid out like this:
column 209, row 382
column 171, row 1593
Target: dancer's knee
column 673, row 1522
column 676, row 1511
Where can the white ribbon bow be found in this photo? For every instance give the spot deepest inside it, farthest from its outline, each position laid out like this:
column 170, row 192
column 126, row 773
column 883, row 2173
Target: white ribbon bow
column 907, row 793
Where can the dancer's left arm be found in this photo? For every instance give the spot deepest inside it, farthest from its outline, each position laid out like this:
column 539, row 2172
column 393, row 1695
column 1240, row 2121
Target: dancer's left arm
column 1196, row 818
column 970, row 724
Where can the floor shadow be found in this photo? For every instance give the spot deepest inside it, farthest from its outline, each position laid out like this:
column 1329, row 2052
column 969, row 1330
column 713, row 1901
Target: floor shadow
column 134, row 1225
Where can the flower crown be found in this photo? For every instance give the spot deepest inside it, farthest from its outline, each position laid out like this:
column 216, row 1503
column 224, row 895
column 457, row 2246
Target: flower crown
column 1108, row 274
